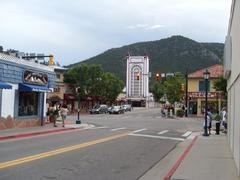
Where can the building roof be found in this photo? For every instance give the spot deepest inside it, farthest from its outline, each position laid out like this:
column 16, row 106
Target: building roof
column 17, row 60
column 215, row 71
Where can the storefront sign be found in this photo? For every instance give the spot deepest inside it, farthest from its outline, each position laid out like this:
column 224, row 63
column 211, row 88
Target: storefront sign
column 202, row 94
column 35, row 78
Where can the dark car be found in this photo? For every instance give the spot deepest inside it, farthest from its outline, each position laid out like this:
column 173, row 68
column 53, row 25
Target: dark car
column 116, row 110
column 99, row 109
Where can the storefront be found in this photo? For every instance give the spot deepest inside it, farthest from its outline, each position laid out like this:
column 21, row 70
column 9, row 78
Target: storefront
column 23, row 97
column 196, row 91
column 197, row 102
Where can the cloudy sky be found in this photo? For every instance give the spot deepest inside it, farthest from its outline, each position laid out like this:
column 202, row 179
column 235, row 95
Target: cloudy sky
column 76, row 30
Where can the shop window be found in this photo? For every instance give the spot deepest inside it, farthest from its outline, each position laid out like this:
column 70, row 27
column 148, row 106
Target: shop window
column 28, row 104
column 202, row 86
column 58, row 76
column 57, row 89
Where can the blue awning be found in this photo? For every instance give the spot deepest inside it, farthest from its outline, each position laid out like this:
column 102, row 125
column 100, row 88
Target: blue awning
column 5, row 86
column 30, row 87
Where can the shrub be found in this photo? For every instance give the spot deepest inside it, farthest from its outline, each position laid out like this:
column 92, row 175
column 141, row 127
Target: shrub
column 180, row 113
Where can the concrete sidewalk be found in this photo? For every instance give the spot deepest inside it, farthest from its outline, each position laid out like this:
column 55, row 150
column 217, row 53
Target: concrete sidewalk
column 209, row 158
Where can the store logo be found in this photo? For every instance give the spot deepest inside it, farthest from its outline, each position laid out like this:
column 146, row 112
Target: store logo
column 35, row 78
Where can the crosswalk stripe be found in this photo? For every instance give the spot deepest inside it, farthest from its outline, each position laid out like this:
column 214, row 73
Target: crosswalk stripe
column 163, row 132
column 139, row 130
column 101, row 127
column 186, row 134
column 116, row 129
column 157, row 137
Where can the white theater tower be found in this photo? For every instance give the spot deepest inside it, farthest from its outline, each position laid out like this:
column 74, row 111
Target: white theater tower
column 137, row 88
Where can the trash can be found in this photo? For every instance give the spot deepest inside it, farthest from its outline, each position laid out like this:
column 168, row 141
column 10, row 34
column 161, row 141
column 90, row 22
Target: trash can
column 217, row 127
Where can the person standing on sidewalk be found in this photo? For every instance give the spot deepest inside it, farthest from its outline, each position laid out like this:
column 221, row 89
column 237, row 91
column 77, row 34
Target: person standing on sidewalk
column 64, row 112
column 209, row 119
column 224, row 119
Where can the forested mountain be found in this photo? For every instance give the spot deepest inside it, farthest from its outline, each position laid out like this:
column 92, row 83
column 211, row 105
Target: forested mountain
column 174, row 54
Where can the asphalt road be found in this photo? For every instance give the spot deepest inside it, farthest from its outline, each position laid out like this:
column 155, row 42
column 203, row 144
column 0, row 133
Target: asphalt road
column 121, row 147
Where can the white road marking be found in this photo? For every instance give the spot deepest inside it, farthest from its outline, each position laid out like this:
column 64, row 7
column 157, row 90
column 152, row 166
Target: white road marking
column 157, row 137
column 162, row 132
column 116, row 129
column 187, row 134
column 101, row 127
column 139, row 130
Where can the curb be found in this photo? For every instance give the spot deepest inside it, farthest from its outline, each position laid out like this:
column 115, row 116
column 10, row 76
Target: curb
column 179, row 161
column 34, row 133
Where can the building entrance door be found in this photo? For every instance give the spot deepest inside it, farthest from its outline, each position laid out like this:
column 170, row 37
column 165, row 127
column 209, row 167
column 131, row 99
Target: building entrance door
column 192, row 108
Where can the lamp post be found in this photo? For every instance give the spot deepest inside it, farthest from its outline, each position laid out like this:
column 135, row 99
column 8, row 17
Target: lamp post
column 78, row 121
column 186, row 94
column 206, row 77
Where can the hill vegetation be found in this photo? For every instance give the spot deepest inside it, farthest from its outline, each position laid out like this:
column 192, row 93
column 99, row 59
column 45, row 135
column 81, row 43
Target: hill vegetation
column 173, row 54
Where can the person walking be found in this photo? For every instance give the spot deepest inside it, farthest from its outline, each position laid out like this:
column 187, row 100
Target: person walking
column 64, row 111
column 55, row 114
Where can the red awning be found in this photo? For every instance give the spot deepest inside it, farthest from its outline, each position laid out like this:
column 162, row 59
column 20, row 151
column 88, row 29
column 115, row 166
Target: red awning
column 69, row 96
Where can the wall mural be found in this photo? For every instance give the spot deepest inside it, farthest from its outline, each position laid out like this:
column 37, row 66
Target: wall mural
column 35, row 78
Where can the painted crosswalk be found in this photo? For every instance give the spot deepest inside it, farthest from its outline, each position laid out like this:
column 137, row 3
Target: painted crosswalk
column 148, row 133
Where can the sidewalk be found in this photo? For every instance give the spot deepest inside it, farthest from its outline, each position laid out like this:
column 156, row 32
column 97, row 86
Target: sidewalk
column 40, row 130
column 209, row 158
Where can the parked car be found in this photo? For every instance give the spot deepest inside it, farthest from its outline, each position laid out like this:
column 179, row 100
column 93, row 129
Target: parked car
column 116, row 110
column 127, row 107
column 99, row 109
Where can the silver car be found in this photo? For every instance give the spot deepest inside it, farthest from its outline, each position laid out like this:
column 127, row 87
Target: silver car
column 116, row 110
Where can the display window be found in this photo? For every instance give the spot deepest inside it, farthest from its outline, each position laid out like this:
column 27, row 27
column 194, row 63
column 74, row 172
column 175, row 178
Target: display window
column 28, row 103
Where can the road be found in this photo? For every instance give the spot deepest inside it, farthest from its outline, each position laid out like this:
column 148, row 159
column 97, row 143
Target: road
column 121, row 147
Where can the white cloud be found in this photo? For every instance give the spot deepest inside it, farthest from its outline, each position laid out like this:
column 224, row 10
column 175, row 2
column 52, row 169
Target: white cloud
column 145, row 26
column 75, row 30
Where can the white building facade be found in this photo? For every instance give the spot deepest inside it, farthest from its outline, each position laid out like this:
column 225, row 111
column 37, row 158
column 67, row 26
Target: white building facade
column 137, row 80
column 232, row 73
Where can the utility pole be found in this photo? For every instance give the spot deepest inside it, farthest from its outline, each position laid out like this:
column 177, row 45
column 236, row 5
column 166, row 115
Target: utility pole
column 186, row 94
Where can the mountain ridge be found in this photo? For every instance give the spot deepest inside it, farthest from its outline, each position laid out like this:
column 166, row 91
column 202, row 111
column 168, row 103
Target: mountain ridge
column 173, row 54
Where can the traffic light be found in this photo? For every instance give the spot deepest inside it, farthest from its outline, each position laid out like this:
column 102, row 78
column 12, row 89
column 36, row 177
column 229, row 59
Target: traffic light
column 78, row 90
column 51, row 61
column 157, row 76
column 138, row 76
column 182, row 87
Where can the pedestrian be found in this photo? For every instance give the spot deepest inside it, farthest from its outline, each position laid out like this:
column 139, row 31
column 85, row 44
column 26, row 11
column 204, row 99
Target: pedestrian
column 55, row 114
column 224, row 119
column 209, row 119
column 64, row 112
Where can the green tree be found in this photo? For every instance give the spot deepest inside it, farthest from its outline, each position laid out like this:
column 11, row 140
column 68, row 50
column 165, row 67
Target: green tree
column 92, row 81
column 221, row 85
column 112, row 86
column 172, row 88
column 86, row 78
column 157, row 89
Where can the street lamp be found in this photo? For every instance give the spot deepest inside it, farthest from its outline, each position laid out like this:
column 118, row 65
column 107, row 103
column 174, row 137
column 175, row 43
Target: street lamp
column 186, row 94
column 206, row 77
column 78, row 91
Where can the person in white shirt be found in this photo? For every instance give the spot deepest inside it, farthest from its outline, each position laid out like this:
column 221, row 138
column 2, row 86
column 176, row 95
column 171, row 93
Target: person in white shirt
column 224, row 119
column 64, row 112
